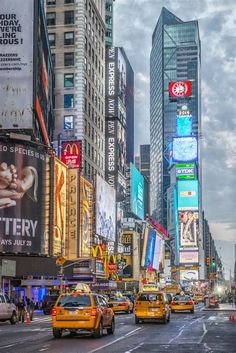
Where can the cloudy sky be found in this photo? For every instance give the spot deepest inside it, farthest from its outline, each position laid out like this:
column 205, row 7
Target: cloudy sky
column 135, row 21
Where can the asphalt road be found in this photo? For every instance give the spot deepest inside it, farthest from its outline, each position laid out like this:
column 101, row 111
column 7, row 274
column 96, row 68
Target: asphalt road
column 202, row 332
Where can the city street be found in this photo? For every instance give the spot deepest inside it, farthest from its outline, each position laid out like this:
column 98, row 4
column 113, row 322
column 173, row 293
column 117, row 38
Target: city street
column 203, row 332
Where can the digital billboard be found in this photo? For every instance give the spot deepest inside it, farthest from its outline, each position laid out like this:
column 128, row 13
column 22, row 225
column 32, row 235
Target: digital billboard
column 188, row 229
column 24, row 199
column 86, row 216
column 105, row 209
column 188, row 257
column 184, row 125
column 16, row 64
column 137, row 192
column 71, row 153
column 185, row 171
column 185, row 149
column 179, row 89
column 153, row 250
column 189, row 275
column 188, row 195
column 60, row 207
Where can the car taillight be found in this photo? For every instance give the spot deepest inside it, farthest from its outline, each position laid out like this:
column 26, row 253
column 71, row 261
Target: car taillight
column 93, row 312
column 54, row 312
column 190, row 303
column 173, row 303
column 123, row 304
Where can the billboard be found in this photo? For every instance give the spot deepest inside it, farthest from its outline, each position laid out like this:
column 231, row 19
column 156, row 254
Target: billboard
column 184, row 125
column 73, row 213
column 137, row 192
column 189, row 275
column 16, row 64
column 24, row 199
column 187, row 195
column 188, row 229
column 71, row 153
column 60, row 207
column 86, row 216
column 185, row 149
column 179, row 89
column 125, row 262
column 188, row 257
column 185, row 171
column 111, row 101
column 111, row 152
column 105, row 209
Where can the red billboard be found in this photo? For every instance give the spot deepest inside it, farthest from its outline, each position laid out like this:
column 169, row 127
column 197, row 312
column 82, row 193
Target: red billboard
column 180, row 89
column 71, row 154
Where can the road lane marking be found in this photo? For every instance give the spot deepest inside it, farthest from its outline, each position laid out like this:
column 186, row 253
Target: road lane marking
column 134, row 349
column 204, row 332
column 117, row 340
column 8, row 346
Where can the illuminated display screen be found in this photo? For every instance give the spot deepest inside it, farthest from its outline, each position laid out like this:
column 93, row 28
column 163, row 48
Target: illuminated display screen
column 137, row 192
column 184, row 125
column 185, row 171
column 188, row 195
column 185, row 149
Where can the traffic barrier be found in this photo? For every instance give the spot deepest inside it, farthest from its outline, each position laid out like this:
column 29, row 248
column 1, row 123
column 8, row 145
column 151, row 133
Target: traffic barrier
column 28, row 318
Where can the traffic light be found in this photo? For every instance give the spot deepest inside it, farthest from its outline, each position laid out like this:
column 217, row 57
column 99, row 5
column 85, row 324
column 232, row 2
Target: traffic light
column 213, row 262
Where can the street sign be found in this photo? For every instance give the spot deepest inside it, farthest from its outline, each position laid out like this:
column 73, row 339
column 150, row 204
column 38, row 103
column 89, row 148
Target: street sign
column 60, row 261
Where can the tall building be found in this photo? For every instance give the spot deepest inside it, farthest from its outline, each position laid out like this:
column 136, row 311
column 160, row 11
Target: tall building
column 145, row 161
column 175, row 57
column 109, row 22
column 77, row 38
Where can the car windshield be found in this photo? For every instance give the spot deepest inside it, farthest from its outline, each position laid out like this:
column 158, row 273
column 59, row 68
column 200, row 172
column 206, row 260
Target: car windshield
column 150, row 297
column 117, row 299
column 74, row 301
column 182, row 297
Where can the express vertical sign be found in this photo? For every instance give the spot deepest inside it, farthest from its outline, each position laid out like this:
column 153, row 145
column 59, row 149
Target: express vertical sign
column 111, row 152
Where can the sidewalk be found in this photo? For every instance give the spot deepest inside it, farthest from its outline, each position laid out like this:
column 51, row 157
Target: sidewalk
column 223, row 307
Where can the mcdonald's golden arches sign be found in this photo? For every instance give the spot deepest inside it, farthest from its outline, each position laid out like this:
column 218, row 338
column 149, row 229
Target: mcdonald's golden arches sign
column 71, row 153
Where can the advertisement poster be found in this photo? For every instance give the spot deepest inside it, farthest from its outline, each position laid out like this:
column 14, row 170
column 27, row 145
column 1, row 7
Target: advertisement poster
column 185, row 149
column 189, row 275
column 125, row 262
column 86, row 217
column 24, row 199
column 185, row 171
column 73, row 213
column 149, row 258
column 179, row 89
column 184, row 125
column 16, row 64
column 71, row 154
column 137, row 192
column 188, row 228
column 188, row 257
column 188, row 195
column 105, row 209
column 60, row 208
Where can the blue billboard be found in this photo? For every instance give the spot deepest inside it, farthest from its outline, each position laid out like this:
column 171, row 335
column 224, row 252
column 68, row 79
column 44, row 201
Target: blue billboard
column 154, row 249
column 184, row 125
column 188, row 195
column 185, row 149
column 137, row 192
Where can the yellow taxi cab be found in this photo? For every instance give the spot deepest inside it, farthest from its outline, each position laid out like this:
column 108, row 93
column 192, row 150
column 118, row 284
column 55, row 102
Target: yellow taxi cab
column 121, row 304
column 182, row 303
column 152, row 306
column 199, row 298
column 82, row 311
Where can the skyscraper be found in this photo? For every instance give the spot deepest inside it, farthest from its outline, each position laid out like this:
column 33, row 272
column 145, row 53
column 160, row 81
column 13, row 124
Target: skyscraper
column 77, row 38
column 175, row 56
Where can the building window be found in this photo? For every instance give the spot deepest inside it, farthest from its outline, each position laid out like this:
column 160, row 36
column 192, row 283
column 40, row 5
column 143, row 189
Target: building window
column 68, row 101
column 68, row 59
column 51, row 2
column 69, row 80
column 69, row 2
column 69, row 17
column 52, row 39
column 51, row 18
column 68, row 38
column 68, row 122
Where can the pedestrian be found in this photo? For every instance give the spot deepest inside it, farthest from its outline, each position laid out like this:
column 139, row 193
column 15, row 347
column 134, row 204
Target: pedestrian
column 31, row 309
column 21, row 310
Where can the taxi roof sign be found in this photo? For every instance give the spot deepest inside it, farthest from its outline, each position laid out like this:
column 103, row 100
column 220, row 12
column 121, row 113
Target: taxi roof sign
column 82, row 287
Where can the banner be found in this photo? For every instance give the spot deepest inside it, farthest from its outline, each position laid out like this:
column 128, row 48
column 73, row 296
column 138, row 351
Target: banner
column 125, row 262
column 86, row 217
column 60, row 208
column 24, row 199
column 73, row 213
column 188, row 228
column 16, row 64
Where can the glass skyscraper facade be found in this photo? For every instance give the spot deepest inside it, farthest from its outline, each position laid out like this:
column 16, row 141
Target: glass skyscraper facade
column 175, row 56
